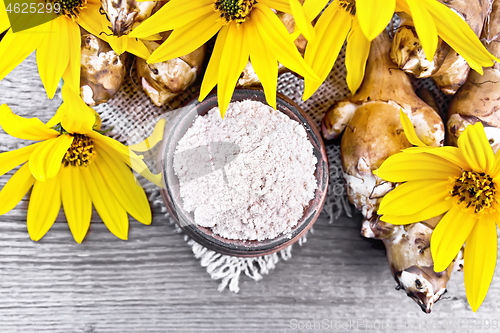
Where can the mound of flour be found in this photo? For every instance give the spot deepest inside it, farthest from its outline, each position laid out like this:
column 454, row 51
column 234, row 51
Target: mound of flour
column 248, row 176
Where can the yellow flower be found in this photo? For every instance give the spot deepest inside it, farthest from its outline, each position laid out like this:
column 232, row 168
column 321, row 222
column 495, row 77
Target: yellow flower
column 58, row 43
column 73, row 165
column 360, row 21
column 463, row 184
column 246, row 28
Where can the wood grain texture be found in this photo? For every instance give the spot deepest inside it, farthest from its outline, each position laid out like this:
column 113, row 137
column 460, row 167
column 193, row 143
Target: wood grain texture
column 152, row 283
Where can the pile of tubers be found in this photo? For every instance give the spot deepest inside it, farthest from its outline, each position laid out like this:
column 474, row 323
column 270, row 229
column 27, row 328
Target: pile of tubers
column 448, row 69
column 103, row 71
column 371, row 131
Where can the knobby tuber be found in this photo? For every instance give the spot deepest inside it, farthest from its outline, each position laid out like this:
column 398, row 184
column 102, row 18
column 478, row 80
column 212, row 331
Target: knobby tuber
column 479, row 98
column 102, row 70
column 373, row 132
column 124, row 16
column 163, row 81
column 448, row 69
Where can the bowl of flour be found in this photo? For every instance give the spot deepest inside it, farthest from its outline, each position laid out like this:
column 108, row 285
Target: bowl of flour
column 250, row 184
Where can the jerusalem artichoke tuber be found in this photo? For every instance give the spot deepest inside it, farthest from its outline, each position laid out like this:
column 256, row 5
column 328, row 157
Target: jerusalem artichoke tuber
column 164, row 80
column 373, row 132
column 479, row 98
column 125, row 15
column 448, row 69
column 102, row 70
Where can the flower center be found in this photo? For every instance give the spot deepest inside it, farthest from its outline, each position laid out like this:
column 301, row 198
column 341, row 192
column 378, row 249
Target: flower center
column 234, row 10
column 349, row 6
column 81, row 151
column 474, row 189
column 69, row 8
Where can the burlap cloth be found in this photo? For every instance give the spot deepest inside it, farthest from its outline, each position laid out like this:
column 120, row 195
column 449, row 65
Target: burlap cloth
column 132, row 117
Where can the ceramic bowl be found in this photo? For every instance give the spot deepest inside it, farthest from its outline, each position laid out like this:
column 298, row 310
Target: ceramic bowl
column 205, row 236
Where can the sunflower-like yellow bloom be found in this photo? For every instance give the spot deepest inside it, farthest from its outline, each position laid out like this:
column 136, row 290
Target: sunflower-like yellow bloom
column 73, row 165
column 463, row 184
column 360, row 21
column 58, row 43
column 246, row 29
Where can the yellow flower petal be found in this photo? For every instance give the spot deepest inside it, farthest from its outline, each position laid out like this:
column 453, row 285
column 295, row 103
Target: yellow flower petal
column 150, row 38
column 24, row 128
column 480, row 260
column 15, row 189
column 312, row 8
column 452, row 154
column 331, row 31
column 212, row 71
column 175, row 14
column 264, row 64
column 413, row 197
column 403, row 167
column 44, row 206
column 118, row 44
column 303, row 24
column 374, row 16
column 76, row 201
column 57, row 118
column 281, row 5
column 53, row 53
column 127, row 156
column 71, row 76
column 279, row 43
column 79, row 117
column 476, row 149
column 122, row 183
column 137, row 48
column 9, row 160
column 46, row 159
column 15, row 47
column 187, row 38
column 90, row 19
column 234, row 58
column 432, row 211
column 495, row 172
column 449, row 236
column 410, row 133
column 425, row 27
column 109, row 209
column 357, row 51
column 456, row 33
column 153, row 139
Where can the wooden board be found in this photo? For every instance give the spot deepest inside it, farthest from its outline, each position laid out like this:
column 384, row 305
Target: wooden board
column 152, row 282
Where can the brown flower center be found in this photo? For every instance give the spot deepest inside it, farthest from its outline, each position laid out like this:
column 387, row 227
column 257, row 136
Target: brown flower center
column 474, row 189
column 69, row 8
column 234, row 10
column 349, row 6
column 81, row 151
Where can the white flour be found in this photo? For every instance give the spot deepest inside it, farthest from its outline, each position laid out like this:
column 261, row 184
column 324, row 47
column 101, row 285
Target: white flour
column 264, row 189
